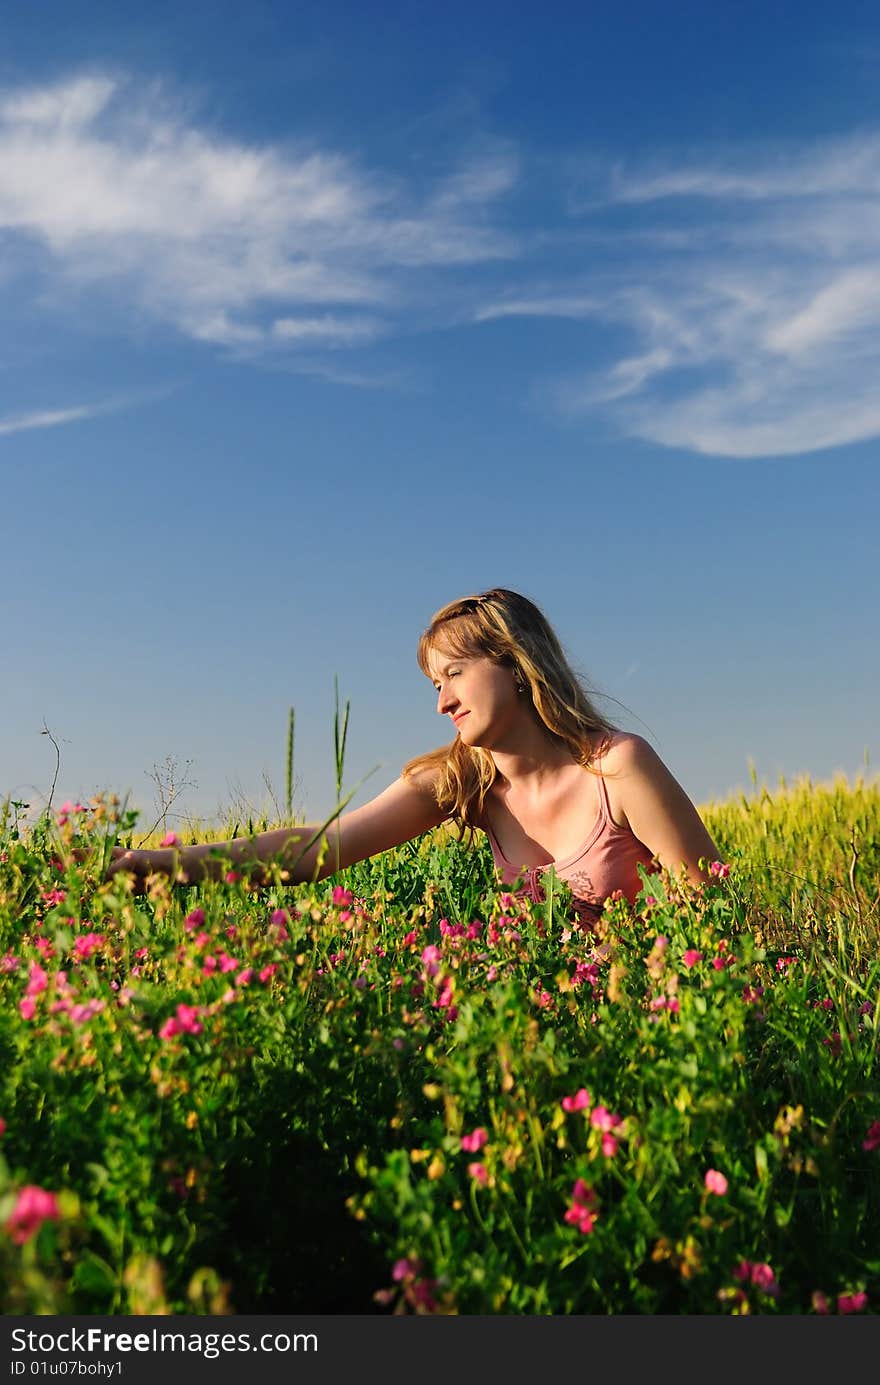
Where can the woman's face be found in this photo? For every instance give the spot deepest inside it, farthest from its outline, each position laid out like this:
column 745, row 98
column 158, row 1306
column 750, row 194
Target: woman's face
column 479, row 696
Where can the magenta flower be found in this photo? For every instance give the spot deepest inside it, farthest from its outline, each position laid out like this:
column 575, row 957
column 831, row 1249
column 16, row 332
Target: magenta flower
column 186, row 1022
column 27, row 1007
column 479, row 1173
column 715, row 1182
column 2, row 1127
column 194, row 919
column 474, row 1142
column 719, row 868
column 188, row 1018
column 852, row 1303
column 38, row 980
column 32, row 1207
column 245, row 976
column 170, row 839
column 405, row 1267
column 609, row 1146
column 86, row 944
column 81, row 1014
column 692, row 957
column 579, row 1102
column 764, row 1279
column 227, row 963
column 583, row 1210
column 603, row 1119
column 343, row 897
column 268, row 971
column 820, row 1302
column 872, row 1139
column 431, row 959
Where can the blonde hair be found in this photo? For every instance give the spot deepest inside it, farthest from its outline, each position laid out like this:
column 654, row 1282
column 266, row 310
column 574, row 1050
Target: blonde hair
column 509, row 629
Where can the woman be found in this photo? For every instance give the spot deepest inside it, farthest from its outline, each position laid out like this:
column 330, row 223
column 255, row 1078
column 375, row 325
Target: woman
column 533, row 764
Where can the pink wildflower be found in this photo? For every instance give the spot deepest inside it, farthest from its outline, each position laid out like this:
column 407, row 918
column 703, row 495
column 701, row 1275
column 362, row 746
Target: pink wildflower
column 582, row 1212
column 27, row 1007
column 245, row 976
column 80, row 1014
column 185, row 1022
column 603, row 1119
column 872, row 1139
column 86, row 944
column 609, row 1146
column 38, row 980
column 227, row 963
column 341, row 896
column 431, row 959
column 410, row 938
column 692, row 957
column 479, row 1173
column 33, row 1206
column 852, row 1303
column 170, row 839
column 268, row 971
column 715, row 1182
column 719, row 868
column 194, row 919
column 476, row 1140
column 578, row 1102
column 8, row 963
column 764, row 1279
column 187, row 1016
column 403, row 1268
column 820, row 1302
column 2, row 1127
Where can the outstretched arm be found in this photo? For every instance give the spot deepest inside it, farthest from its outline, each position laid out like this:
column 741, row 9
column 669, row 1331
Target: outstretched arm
column 659, row 811
column 404, row 810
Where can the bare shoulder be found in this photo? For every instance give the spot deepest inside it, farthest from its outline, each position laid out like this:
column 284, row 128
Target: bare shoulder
column 654, row 805
column 626, row 753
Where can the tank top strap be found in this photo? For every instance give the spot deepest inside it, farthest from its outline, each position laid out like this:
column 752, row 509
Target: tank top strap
column 604, row 803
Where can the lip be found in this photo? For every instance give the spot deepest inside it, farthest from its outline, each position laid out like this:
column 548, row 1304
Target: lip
column 459, row 717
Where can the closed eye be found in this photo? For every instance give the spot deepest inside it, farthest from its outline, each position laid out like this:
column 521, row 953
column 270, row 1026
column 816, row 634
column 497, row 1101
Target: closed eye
column 452, row 674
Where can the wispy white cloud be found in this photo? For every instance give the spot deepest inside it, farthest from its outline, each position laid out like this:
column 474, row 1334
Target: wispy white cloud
column 754, row 321
column 231, row 243
column 48, row 418
column 550, row 305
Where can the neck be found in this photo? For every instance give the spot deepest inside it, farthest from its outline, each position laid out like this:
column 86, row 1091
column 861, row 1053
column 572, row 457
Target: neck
column 531, row 758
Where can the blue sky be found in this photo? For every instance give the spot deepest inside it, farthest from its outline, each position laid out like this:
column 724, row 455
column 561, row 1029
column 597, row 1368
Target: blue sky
column 318, row 315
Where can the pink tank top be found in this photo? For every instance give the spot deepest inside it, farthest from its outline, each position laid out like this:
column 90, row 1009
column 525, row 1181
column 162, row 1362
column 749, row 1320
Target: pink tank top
column 606, row 862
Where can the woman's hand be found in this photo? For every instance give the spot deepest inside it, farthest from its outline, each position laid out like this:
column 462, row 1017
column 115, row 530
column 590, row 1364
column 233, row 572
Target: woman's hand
column 140, row 864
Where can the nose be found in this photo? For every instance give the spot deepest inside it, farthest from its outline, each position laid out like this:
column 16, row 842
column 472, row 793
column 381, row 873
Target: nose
column 446, row 700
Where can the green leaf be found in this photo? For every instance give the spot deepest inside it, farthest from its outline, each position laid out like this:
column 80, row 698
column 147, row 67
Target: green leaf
column 94, row 1275
column 761, row 1163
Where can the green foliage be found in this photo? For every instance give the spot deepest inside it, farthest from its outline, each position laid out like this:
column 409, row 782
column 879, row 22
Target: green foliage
column 402, row 1088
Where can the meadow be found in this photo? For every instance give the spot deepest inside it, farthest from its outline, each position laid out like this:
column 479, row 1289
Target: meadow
column 403, row 1090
